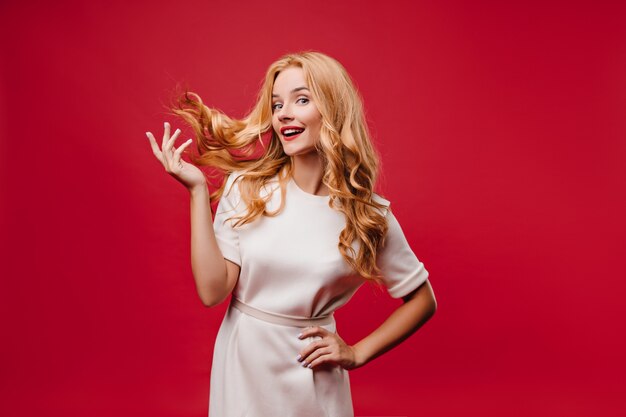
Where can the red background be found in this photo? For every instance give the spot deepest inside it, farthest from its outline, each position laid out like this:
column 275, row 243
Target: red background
column 502, row 133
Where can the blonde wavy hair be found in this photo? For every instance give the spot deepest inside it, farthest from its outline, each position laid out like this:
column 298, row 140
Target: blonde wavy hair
column 350, row 160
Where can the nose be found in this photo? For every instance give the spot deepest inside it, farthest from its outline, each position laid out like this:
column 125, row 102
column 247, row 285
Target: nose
column 284, row 113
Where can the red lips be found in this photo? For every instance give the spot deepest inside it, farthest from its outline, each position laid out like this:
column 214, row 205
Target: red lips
column 282, row 129
column 292, row 136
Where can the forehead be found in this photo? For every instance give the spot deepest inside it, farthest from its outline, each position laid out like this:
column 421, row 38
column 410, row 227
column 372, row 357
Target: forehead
column 289, row 78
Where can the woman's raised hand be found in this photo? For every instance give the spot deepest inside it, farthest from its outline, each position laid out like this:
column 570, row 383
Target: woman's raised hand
column 187, row 174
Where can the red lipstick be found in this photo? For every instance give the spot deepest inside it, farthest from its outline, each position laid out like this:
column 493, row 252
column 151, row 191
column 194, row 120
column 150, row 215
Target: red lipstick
column 294, row 132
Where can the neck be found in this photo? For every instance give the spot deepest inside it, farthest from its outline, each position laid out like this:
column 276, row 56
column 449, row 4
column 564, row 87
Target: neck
column 308, row 171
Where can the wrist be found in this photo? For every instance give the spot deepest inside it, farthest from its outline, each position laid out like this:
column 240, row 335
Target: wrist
column 360, row 358
column 198, row 189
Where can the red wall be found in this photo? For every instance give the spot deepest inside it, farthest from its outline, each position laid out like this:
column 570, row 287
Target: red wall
column 502, row 131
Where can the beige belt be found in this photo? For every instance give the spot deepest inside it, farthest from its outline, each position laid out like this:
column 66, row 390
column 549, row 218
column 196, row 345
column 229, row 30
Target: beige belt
column 280, row 318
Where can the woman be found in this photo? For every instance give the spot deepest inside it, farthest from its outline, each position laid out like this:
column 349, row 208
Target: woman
column 298, row 229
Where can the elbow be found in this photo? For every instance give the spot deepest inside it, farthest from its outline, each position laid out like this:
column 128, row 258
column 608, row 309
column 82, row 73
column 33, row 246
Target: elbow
column 208, row 302
column 212, row 290
column 211, row 302
column 428, row 307
column 431, row 303
column 212, row 299
column 432, row 308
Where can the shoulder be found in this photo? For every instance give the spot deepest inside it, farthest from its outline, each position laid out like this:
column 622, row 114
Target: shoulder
column 235, row 179
column 231, row 190
column 232, row 181
column 384, row 209
column 234, row 176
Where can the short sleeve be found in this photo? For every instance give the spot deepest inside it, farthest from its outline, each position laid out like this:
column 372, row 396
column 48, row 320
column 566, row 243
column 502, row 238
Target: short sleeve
column 401, row 270
column 226, row 235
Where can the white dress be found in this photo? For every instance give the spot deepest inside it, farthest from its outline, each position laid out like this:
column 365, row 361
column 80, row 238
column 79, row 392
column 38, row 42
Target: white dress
column 291, row 269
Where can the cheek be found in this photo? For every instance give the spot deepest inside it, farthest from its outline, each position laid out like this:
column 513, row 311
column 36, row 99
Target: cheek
column 316, row 126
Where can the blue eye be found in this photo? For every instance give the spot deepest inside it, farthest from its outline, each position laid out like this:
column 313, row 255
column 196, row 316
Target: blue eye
column 274, row 106
column 306, row 100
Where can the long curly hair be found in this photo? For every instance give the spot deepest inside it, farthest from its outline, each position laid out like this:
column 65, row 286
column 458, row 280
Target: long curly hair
column 251, row 145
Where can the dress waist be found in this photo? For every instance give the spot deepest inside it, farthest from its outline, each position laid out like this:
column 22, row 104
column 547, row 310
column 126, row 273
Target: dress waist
column 281, row 319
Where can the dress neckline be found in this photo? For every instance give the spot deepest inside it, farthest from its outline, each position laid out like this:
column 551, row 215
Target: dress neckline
column 312, row 197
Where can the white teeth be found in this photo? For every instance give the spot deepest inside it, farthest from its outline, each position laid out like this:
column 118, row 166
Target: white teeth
column 290, row 131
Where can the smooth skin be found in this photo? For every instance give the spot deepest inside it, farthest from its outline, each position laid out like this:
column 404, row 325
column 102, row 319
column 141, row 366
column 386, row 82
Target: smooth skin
column 216, row 277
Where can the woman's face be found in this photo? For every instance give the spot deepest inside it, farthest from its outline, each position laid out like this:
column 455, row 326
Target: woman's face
column 295, row 117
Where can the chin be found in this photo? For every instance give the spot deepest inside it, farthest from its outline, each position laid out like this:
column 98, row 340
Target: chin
column 292, row 149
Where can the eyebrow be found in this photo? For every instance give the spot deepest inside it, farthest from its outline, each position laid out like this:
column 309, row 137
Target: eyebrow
column 295, row 90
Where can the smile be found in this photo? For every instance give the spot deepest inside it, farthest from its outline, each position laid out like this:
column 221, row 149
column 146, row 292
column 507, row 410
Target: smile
column 290, row 133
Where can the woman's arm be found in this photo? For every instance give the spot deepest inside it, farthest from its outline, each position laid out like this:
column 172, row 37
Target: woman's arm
column 419, row 306
column 215, row 276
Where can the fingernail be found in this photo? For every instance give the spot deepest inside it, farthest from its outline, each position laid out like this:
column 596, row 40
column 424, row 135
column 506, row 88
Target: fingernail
column 300, row 335
column 299, row 358
column 309, row 366
column 165, row 124
column 304, row 364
